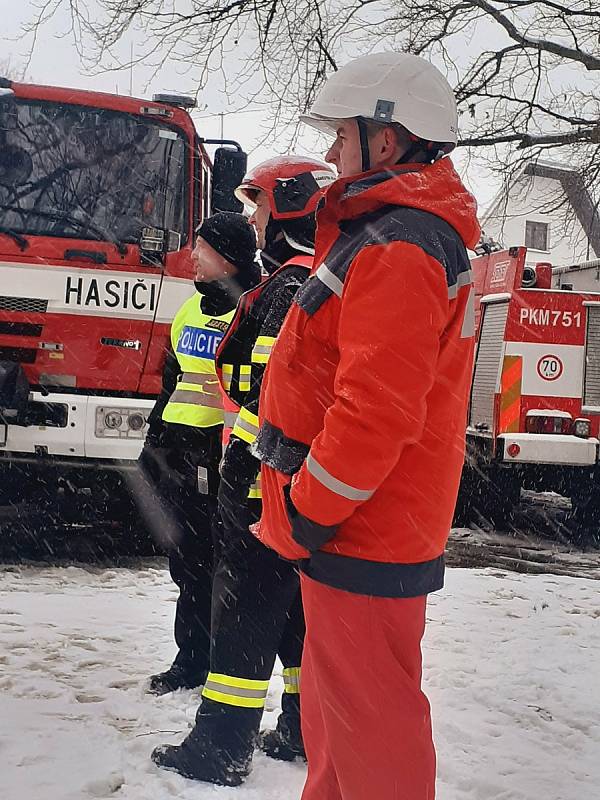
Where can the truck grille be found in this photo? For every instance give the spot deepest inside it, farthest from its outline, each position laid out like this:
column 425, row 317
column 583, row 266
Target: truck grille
column 591, row 384
column 487, row 365
column 20, row 329
column 30, row 304
column 22, row 355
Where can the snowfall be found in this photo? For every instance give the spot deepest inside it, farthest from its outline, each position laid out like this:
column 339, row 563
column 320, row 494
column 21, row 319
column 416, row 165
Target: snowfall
column 512, row 668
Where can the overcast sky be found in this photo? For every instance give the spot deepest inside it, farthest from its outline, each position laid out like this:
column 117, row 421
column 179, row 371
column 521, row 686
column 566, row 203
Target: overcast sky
column 55, row 61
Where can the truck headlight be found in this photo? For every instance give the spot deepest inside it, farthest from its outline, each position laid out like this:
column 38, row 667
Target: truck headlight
column 120, row 422
column 582, row 428
column 136, row 421
column 113, row 420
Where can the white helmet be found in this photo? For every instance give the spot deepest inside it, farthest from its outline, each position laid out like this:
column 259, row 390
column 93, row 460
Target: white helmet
column 388, row 88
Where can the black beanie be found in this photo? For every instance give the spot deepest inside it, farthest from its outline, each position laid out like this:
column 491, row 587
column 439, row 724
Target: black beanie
column 232, row 236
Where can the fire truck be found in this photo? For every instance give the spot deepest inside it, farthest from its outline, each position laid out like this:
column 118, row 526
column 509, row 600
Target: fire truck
column 99, row 198
column 534, row 412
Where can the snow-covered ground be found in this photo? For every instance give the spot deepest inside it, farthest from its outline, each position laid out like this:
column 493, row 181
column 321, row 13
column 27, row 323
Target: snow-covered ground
column 512, row 670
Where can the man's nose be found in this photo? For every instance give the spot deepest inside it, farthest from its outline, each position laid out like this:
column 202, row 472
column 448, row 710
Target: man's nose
column 331, row 157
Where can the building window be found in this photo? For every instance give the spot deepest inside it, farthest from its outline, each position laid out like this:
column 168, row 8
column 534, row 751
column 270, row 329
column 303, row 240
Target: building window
column 536, row 235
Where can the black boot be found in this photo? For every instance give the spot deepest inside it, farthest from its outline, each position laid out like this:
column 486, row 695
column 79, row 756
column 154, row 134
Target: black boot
column 176, row 677
column 285, row 742
column 219, row 747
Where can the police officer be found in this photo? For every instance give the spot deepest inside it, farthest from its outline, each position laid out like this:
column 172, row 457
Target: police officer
column 256, row 610
column 183, row 445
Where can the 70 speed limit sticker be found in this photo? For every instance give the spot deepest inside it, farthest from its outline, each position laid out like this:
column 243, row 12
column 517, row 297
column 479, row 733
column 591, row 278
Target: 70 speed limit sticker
column 550, row 368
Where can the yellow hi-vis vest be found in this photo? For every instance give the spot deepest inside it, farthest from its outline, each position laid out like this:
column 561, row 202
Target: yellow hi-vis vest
column 197, row 400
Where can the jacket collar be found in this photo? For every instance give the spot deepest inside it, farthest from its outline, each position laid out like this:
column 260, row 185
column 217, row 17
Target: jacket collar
column 435, row 188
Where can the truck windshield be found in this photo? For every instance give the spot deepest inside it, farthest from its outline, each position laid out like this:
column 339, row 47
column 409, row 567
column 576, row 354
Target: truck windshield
column 88, row 173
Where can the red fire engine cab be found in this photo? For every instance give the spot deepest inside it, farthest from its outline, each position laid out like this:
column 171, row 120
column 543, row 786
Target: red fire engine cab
column 535, row 398
column 99, row 199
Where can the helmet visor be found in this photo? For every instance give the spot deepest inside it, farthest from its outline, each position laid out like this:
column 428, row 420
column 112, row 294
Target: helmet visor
column 326, row 125
column 246, row 193
column 293, row 195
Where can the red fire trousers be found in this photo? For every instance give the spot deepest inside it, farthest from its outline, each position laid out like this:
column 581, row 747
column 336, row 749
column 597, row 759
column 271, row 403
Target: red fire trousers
column 365, row 721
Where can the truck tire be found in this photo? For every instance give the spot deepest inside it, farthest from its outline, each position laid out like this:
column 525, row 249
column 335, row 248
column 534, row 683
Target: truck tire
column 583, row 521
column 489, row 495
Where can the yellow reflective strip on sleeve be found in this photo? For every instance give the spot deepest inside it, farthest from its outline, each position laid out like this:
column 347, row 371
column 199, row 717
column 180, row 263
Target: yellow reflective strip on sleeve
column 291, row 680
column 234, row 691
column 245, row 372
column 262, row 349
column 267, row 340
column 246, row 426
column 242, row 434
column 259, row 357
column 249, row 417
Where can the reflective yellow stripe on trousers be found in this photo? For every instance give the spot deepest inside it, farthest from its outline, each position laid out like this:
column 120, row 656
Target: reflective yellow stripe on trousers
column 234, row 691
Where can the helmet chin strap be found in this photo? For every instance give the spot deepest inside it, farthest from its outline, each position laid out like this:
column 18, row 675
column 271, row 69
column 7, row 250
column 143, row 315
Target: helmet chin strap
column 417, row 148
column 364, row 144
column 302, row 248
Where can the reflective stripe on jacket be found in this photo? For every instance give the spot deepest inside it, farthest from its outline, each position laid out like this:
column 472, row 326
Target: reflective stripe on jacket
column 363, row 406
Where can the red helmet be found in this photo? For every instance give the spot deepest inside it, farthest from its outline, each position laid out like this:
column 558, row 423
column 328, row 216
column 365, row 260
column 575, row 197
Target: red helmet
column 293, row 184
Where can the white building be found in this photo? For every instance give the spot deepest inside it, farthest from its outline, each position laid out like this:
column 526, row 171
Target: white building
column 548, row 210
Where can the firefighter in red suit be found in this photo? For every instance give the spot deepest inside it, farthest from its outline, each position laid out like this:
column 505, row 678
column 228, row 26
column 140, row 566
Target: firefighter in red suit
column 363, row 416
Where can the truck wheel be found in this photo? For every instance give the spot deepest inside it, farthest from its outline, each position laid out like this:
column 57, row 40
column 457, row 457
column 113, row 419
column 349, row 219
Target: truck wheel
column 583, row 522
column 490, row 495
column 463, row 511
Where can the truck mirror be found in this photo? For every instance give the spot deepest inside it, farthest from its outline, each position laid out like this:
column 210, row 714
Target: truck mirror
column 153, row 246
column 155, row 243
column 229, row 168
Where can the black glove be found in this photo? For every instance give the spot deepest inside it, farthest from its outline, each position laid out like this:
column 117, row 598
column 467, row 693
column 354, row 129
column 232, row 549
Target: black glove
column 238, row 469
column 154, row 435
column 305, row 532
column 159, row 466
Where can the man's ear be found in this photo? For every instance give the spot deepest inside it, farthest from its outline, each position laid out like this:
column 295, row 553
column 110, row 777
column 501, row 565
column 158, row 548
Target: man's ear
column 389, row 143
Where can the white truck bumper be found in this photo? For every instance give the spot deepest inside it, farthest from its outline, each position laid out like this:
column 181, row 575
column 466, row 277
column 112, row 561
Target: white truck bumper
column 557, row 449
column 84, row 433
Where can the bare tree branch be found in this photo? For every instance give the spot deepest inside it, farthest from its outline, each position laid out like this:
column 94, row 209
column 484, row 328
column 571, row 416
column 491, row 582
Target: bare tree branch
column 524, row 71
column 587, row 59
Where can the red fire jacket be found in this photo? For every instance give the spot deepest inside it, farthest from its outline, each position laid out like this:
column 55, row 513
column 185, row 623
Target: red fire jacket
column 365, row 396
